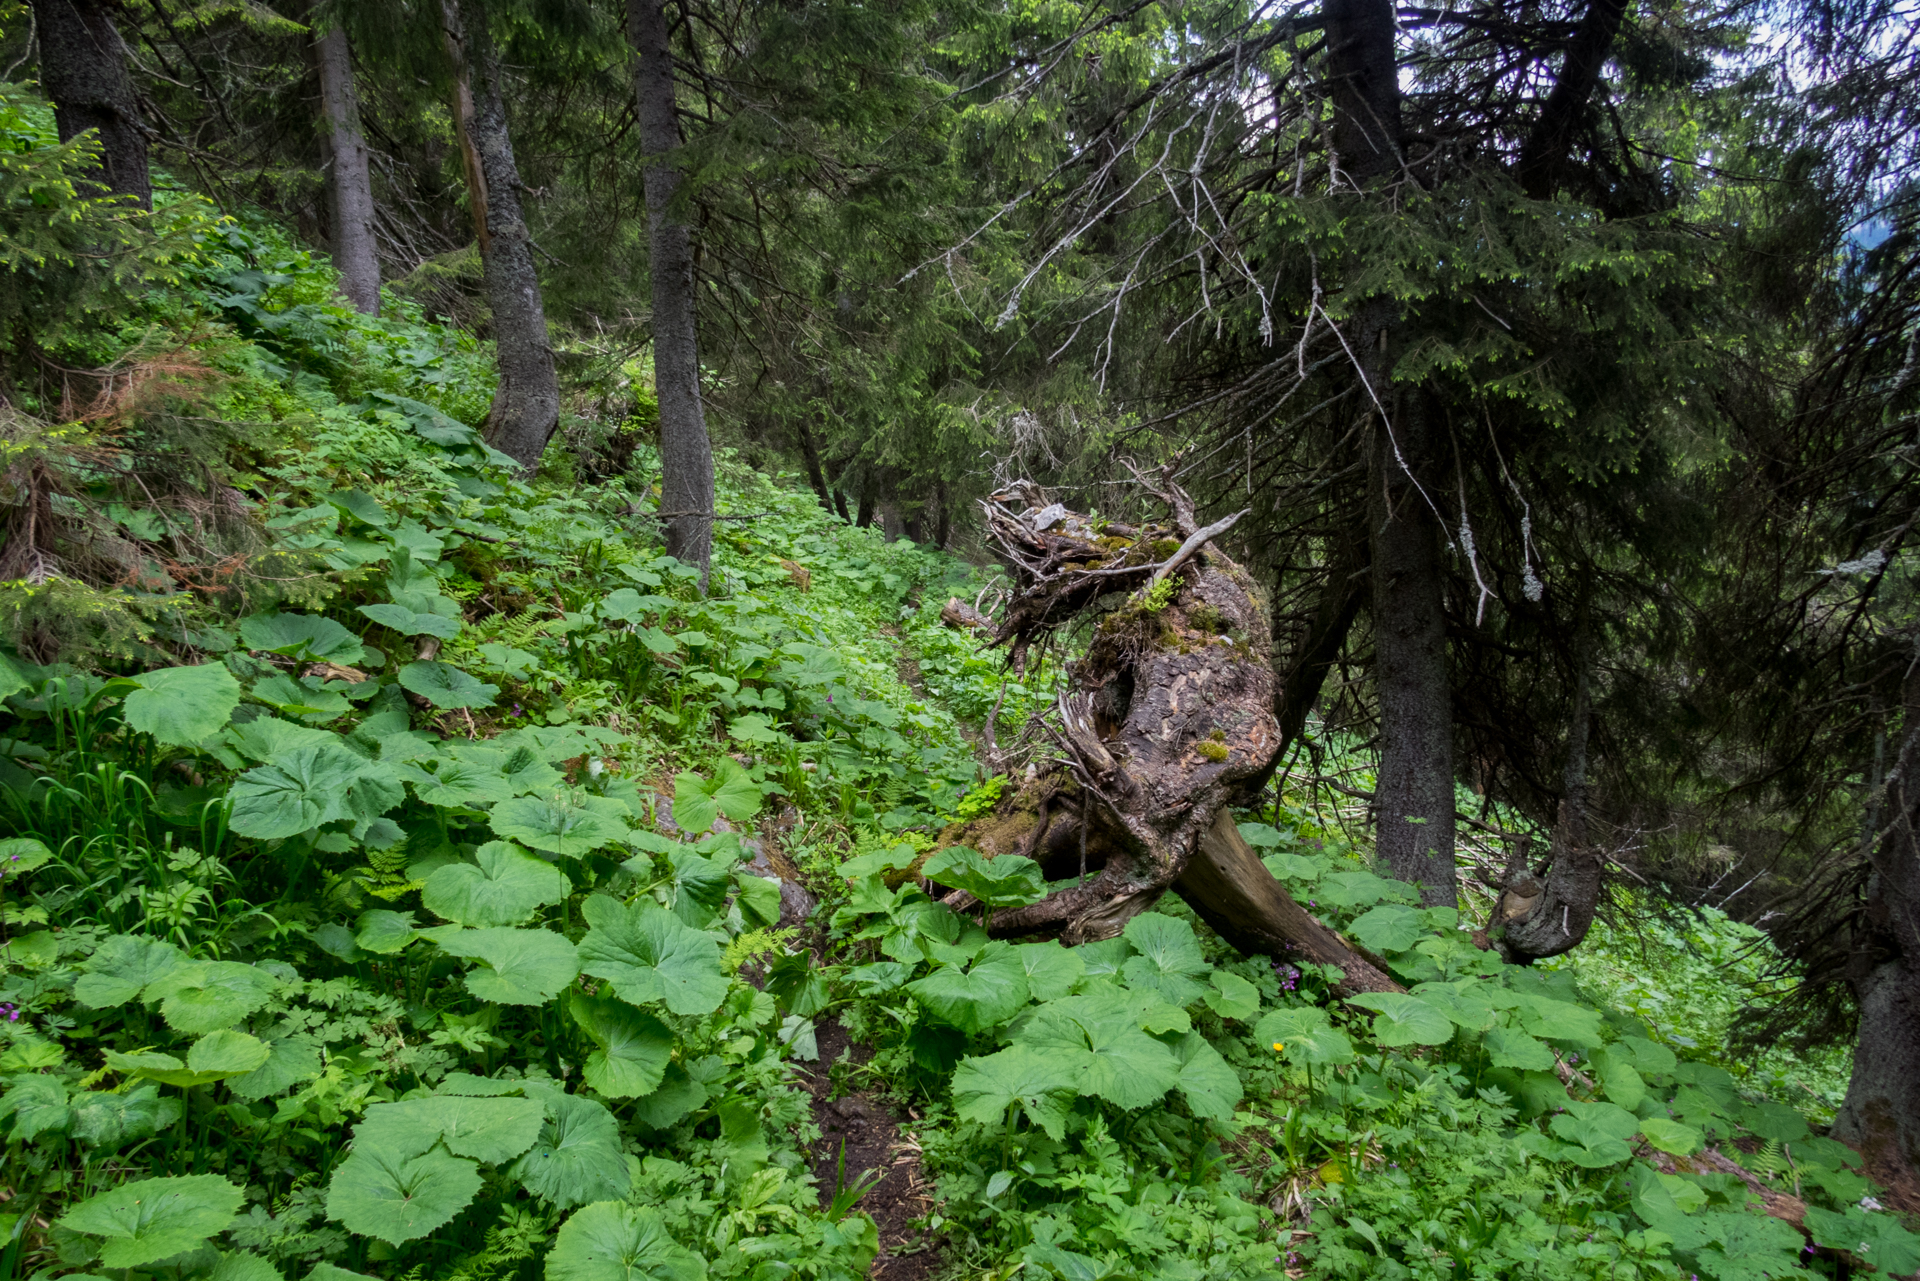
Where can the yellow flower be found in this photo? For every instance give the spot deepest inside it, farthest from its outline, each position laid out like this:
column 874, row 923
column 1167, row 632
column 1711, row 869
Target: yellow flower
column 1277, row 1047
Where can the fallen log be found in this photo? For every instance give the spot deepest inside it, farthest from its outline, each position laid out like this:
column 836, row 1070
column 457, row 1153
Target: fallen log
column 1168, row 723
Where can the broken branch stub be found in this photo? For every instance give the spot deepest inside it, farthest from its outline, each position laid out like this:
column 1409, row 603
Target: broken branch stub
column 1169, row 719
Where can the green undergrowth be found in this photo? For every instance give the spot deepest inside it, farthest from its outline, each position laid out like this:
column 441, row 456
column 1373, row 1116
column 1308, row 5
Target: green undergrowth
column 383, row 909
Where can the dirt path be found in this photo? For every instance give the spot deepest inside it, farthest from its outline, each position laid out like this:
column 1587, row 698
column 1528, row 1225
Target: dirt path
column 871, row 1133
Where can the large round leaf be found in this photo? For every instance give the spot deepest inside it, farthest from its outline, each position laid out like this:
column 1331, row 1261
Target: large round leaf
column 567, row 825
column 411, row 623
column 634, row 1047
column 1044, row 1087
column 305, row 636
column 205, row 996
column 214, row 1057
column 730, row 792
column 1304, row 1035
column 444, row 685
column 457, row 782
column 985, row 995
column 1096, row 1039
column 298, row 792
column 578, row 1157
column 648, row 954
column 490, row 1130
column 23, row 854
column 1404, row 1019
column 502, row 886
column 182, row 705
column 290, row 1060
column 519, row 967
column 1169, row 959
column 608, row 1241
column 122, row 967
column 378, row 1193
column 1509, row 1048
column 151, row 1219
column 1007, row 881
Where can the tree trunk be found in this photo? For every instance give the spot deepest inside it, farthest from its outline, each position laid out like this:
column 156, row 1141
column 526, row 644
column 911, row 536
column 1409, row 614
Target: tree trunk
column 83, row 69
column 1413, row 797
column 1543, row 155
column 686, row 455
column 810, row 454
column 526, row 406
column 1168, row 720
column 349, row 176
column 1532, row 919
column 1881, row 1114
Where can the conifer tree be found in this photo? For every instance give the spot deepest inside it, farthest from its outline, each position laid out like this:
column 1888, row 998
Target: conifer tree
column 349, row 174
column 83, row 69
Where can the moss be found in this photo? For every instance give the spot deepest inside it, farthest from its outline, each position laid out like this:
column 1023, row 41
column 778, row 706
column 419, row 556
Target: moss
column 1208, row 619
column 1213, row 751
column 1166, row 547
column 1218, row 736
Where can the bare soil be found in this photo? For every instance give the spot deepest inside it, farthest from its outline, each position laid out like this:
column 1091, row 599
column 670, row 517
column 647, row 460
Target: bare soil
column 870, row 1130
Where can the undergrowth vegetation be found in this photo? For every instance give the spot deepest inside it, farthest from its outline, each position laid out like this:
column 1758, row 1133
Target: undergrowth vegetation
column 390, row 897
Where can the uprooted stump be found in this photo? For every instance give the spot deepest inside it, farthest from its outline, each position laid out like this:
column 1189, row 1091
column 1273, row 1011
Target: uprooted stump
column 1169, row 721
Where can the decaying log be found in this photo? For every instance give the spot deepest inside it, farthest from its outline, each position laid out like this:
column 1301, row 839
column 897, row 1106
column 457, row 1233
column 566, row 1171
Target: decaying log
column 961, row 616
column 1168, row 723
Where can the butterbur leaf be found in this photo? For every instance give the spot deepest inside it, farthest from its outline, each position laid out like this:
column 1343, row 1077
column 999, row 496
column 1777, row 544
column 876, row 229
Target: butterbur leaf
column 1621, row 1083
column 1513, row 1049
column 504, row 885
column 1210, row 1087
column 698, row 801
column 1169, row 959
column 296, row 792
column 1007, row 881
column 634, row 1047
column 1389, row 928
column 23, row 854
column 578, row 1157
column 1671, row 1136
column 242, row 1266
column 987, row 994
column 409, row 623
column 205, row 996
column 1095, row 1040
column 699, row 885
column 329, row 1272
column 608, row 1241
column 454, row 783
column 1599, row 1132
column 489, row 1130
column 648, row 954
column 37, row 1104
column 446, row 686
column 378, row 1193
column 1553, row 1020
column 1232, row 996
column 1052, row 970
column 110, row 1120
column 151, row 1219
column 303, row 636
column 520, row 967
column 122, row 967
column 300, row 698
column 569, row 826
column 984, row 1088
column 1877, row 1239
column 1305, row 1036
column 1404, row 1019
column 1775, row 1121
column 383, row 932
column 214, row 1057
column 290, row 1060
column 677, row 1096
column 181, row 705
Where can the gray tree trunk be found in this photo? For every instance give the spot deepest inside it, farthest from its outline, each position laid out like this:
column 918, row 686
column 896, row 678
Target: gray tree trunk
column 526, row 406
column 83, row 69
column 349, row 176
column 1881, row 1114
column 1413, row 797
column 686, row 455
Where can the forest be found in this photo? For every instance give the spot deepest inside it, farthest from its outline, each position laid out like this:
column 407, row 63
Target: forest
column 959, row 639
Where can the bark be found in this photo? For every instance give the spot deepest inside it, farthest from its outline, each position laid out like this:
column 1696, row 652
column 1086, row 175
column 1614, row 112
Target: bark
column 1171, row 714
column 686, row 455
column 810, row 453
column 1535, row 919
column 1413, row 797
column 1544, row 153
column 83, row 69
column 942, row 528
column 349, row 175
column 869, row 507
column 526, row 406
column 1365, row 88
column 1881, row 1114
column 961, row 616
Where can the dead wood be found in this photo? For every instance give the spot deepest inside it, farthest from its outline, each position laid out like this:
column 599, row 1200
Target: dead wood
column 961, row 616
column 1168, row 722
